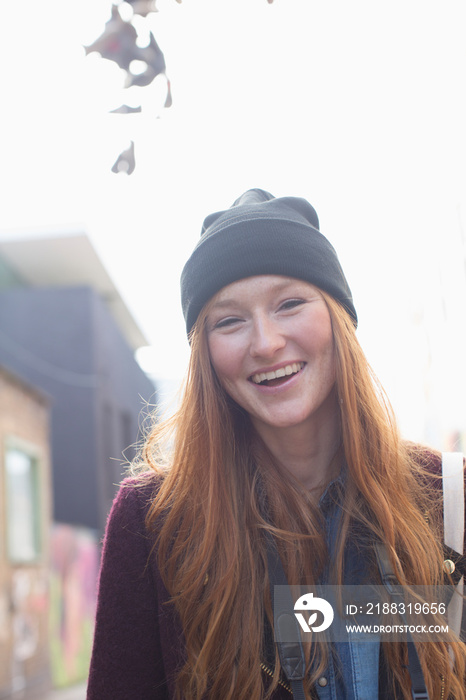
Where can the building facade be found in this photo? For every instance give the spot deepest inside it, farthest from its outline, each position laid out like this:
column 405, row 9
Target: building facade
column 65, row 331
column 25, row 523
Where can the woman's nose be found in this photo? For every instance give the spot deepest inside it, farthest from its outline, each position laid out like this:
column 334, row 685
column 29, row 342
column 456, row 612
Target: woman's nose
column 267, row 338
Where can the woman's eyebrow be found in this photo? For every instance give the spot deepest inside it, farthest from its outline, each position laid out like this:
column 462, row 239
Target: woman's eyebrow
column 279, row 287
column 222, row 303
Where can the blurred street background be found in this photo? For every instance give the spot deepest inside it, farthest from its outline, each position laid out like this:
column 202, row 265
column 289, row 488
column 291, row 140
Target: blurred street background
column 76, row 692
column 122, row 127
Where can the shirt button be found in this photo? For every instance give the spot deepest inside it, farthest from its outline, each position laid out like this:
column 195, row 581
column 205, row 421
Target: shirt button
column 448, row 566
column 322, row 681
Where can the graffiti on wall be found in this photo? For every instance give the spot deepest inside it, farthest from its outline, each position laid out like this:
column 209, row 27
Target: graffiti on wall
column 30, row 601
column 75, row 561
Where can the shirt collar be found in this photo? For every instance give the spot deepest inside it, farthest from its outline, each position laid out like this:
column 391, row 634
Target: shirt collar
column 334, row 489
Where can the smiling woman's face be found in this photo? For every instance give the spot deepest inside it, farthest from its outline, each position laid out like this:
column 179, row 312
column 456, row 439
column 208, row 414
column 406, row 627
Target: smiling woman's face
column 271, row 345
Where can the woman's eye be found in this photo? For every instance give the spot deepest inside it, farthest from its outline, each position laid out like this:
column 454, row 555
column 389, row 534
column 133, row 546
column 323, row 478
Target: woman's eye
column 291, row 304
column 226, row 322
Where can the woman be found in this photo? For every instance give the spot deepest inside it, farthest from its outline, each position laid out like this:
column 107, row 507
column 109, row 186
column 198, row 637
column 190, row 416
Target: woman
column 283, row 457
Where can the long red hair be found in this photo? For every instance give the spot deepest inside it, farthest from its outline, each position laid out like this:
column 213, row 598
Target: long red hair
column 220, row 489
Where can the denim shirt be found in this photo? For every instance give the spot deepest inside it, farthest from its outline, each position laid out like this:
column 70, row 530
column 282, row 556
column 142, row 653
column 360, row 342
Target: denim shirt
column 357, row 677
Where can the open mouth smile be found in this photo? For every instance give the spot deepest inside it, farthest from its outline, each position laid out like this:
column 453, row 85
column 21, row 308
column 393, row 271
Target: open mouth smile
column 278, row 376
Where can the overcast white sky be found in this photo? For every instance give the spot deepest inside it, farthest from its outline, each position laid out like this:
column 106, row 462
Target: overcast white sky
column 358, row 106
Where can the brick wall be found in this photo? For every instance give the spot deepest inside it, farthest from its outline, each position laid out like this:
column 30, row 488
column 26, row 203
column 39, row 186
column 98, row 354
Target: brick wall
column 24, row 577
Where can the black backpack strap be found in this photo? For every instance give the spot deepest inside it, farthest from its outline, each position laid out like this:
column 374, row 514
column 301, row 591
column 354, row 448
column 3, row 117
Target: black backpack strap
column 286, row 625
column 389, row 580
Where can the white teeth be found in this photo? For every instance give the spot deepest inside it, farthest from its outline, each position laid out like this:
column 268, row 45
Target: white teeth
column 282, row 372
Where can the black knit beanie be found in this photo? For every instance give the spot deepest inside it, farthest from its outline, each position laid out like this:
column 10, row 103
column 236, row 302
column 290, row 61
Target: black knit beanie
column 261, row 235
